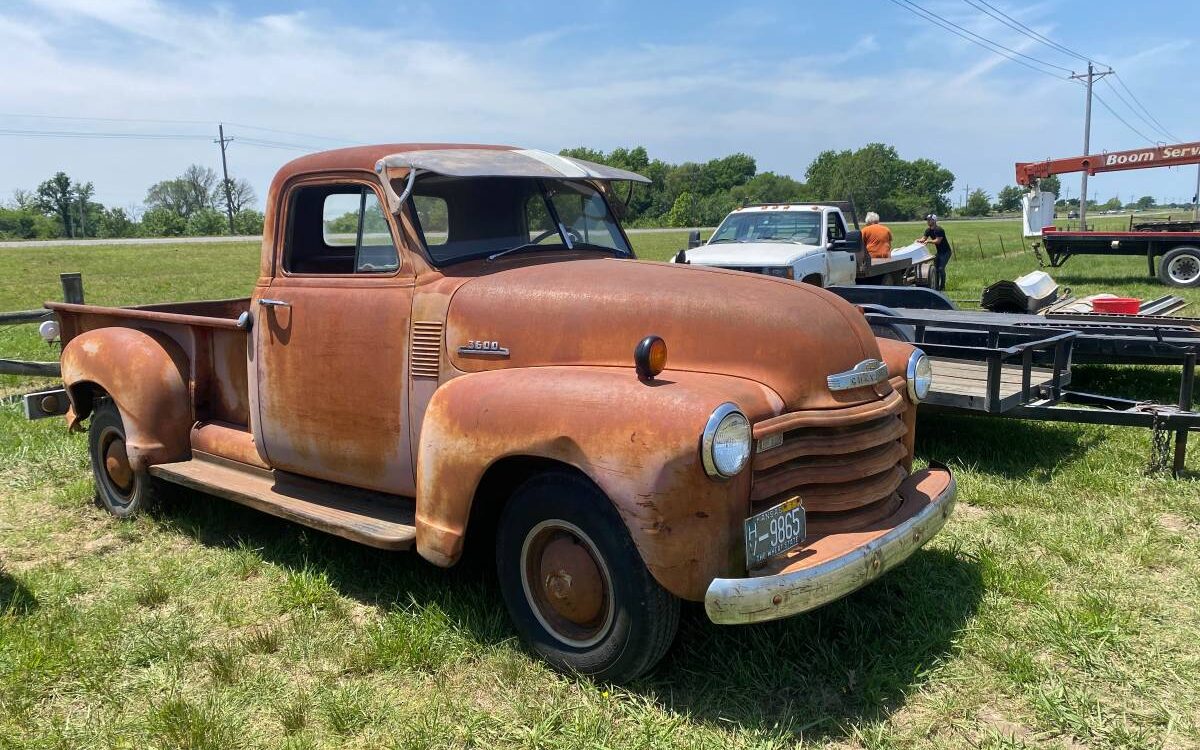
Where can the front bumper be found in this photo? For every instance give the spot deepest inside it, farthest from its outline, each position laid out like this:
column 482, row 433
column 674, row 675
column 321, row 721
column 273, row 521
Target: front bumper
column 831, row 566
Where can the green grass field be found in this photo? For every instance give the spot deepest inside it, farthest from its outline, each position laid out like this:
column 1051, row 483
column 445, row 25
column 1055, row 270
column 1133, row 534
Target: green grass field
column 1059, row 608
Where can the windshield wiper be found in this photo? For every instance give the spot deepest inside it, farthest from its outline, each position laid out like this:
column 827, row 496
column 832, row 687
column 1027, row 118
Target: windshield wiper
column 514, row 249
column 723, row 239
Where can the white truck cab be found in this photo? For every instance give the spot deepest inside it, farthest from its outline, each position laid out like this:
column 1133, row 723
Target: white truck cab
column 806, row 242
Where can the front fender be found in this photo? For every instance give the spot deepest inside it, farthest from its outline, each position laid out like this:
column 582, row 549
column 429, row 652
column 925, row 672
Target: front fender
column 146, row 375
column 638, row 441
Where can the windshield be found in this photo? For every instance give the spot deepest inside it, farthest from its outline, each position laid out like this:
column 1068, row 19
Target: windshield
column 461, row 218
column 770, row 226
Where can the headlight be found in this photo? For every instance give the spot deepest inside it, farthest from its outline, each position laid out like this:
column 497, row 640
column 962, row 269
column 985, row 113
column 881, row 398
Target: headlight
column 783, row 272
column 725, row 444
column 919, row 375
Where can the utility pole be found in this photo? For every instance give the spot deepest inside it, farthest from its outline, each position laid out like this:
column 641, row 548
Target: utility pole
column 1087, row 136
column 225, row 171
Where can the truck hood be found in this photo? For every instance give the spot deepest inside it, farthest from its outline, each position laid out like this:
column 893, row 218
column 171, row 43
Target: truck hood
column 785, row 335
column 750, row 253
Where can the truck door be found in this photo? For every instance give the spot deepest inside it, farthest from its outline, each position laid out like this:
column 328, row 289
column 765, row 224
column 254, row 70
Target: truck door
column 841, row 260
column 331, row 337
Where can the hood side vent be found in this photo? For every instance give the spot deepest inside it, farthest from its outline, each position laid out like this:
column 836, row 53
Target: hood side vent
column 426, row 355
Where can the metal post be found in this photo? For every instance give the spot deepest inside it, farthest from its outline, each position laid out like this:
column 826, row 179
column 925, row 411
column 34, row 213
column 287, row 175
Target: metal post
column 225, row 171
column 1185, row 404
column 1196, row 198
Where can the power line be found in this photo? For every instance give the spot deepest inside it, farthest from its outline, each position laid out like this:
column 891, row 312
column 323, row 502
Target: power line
column 1035, row 35
column 291, row 132
column 99, row 134
column 1123, row 120
column 102, row 119
column 1134, row 110
column 1140, row 110
column 970, row 36
column 1139, row 103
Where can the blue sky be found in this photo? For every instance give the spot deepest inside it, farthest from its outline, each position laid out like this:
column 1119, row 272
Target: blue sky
column 779, row 81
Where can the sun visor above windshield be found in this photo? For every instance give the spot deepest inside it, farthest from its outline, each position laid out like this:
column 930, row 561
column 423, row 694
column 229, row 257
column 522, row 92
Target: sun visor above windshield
column 481, row 162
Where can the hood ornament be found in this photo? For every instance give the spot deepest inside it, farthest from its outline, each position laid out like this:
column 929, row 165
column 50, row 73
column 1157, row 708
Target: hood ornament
column 867, row 372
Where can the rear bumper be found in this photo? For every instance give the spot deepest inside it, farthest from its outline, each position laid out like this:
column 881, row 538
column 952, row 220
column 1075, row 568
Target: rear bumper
column 834, row 565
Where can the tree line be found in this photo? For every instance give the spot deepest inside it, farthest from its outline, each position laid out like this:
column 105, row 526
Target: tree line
column 701, row 194
column 196, row 203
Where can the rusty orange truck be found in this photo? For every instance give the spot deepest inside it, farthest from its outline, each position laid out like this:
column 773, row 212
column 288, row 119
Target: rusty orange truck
column 453, row 346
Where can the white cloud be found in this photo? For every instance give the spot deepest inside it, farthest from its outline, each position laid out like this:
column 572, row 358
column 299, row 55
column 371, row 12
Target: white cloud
column 310, row 72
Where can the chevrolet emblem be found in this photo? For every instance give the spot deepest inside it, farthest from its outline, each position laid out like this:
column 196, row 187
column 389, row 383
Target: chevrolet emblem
column 867, row 372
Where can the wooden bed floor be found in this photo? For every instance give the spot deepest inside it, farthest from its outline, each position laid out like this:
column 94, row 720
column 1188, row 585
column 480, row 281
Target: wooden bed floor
column 957, row 377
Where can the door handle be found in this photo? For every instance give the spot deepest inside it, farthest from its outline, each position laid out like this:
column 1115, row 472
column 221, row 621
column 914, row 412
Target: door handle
column 274, row 303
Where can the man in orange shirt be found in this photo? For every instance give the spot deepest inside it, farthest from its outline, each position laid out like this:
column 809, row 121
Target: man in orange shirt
column 876, row 237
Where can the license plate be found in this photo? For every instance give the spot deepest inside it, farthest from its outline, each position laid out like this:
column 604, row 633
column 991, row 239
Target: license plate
column 774, row 531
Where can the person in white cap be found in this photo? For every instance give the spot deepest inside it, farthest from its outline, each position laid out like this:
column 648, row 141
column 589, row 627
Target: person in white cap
column 936, row 236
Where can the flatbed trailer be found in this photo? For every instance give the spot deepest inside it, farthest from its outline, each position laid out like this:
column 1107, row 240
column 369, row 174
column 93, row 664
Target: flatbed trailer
column 1018, row 365
column 1023, row 372
column 1179, row 251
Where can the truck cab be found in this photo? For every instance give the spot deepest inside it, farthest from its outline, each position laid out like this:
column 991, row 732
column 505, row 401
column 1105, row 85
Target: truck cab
column 811, row 243
column 453, row 346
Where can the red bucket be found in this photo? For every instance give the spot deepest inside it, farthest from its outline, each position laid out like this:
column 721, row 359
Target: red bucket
column 1118, row 305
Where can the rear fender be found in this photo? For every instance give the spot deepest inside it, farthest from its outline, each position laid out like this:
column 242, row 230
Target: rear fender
column 638, row 441
column 146, row 375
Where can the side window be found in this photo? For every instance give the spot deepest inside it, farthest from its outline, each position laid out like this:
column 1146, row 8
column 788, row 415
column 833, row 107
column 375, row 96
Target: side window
column 837, row 230
column 338, row 229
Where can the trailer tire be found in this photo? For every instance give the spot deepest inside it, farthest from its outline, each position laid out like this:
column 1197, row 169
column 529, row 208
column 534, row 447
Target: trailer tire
column 575, row 585
column 1180, row 267
column 121, row 490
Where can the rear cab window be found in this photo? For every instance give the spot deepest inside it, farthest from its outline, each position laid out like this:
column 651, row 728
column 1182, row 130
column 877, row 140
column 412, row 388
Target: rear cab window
column 338, row 229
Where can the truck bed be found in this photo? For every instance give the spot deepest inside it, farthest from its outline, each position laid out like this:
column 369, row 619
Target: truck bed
column 208, row 333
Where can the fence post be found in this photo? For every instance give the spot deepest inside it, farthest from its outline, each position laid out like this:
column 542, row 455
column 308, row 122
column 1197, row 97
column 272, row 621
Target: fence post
column 980, row 242
column 1003, row 249
column 72, row 286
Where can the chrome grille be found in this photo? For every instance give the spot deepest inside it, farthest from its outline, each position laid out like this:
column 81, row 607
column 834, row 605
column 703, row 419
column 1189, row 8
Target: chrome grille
column 834, row 468
column 426, row 354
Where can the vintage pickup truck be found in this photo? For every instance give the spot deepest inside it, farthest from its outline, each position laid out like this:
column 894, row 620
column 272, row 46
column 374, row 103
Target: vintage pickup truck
column 454, row 346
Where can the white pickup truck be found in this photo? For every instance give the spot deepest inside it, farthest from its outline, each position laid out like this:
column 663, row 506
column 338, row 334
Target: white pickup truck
column 809, row 242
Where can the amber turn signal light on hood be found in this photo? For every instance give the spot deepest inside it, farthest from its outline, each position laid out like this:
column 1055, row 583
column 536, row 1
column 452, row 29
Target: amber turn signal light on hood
column 650, row 357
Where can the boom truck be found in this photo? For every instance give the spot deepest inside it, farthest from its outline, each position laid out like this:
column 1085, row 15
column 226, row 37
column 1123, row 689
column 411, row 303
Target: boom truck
column 453, row 347
column 1177, row 248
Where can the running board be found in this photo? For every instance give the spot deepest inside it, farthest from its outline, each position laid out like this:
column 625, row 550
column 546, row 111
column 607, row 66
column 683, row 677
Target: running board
column 372, row 518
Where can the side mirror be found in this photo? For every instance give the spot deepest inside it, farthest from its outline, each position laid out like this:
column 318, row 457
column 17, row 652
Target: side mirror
column 681, row 256
column 854, row 243
column 693, row 239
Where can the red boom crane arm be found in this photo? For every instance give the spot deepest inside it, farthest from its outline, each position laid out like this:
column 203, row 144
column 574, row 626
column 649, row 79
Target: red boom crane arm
column 1113, row 161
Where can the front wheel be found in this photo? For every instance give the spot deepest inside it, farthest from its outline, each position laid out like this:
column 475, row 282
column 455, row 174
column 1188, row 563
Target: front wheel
column 122, row 491
column 575, row 585
column 1180, row 267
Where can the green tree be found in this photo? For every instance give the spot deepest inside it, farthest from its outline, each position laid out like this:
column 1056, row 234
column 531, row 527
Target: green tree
column 1112, row 204
column 685, row 212
column 240, row 195
column 1009, row 198
column 188, row 193
column 56, row 197
column 162, row 222
column 978, row 203
column 1146, row 202
column 207, row 222
column 115, row 223
column 1050, row 185
column 248, row 222
column 877, row 179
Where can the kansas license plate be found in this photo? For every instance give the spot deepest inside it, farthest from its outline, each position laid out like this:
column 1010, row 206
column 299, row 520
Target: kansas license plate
column 774, row 531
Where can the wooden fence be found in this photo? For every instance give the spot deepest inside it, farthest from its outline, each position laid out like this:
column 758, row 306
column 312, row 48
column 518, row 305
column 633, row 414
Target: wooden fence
column 72, row 286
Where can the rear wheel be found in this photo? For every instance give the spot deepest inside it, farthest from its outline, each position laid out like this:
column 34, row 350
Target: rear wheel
column 575, row 585
column 122, row 491
column 1180, row 267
